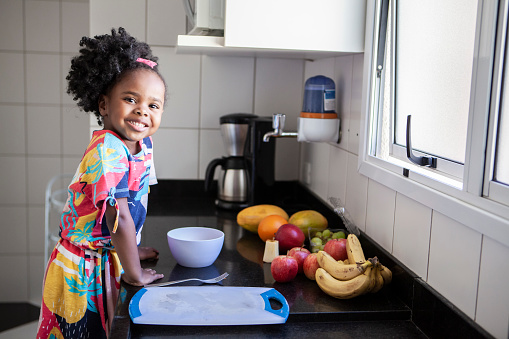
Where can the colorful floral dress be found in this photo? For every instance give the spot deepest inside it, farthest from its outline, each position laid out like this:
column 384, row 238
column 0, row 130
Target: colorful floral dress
column 82, row 278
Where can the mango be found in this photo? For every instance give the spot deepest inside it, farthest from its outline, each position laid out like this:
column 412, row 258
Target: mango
column 308, row 219
column 250, row 217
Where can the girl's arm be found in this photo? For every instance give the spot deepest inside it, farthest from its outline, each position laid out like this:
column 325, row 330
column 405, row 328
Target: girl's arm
column 124, row 241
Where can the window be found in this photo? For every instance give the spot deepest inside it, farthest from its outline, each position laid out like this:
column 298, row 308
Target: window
column 426, row 73
column 444, row 63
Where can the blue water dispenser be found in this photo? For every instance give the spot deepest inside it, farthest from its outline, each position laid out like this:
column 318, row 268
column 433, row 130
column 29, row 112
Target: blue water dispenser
column 318, row 121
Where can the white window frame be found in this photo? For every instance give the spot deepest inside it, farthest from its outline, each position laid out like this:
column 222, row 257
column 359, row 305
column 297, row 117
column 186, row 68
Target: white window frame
column 491, row 189
column 467, row 205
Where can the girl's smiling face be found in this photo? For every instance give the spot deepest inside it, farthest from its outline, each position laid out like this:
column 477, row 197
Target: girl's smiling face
column 134, row 106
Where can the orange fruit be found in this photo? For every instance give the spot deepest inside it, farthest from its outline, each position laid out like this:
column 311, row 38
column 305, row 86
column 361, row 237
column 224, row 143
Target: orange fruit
column 269, row 225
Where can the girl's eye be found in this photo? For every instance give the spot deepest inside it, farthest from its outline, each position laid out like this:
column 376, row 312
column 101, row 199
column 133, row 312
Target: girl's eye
column 131, row 100
column 154, row 106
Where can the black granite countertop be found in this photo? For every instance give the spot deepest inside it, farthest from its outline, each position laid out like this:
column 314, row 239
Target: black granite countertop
column 390, row 313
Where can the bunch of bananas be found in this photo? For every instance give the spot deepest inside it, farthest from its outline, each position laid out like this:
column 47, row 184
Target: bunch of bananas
column 352, row 277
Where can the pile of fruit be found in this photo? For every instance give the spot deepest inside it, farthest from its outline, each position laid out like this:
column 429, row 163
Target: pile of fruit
column 318, row 239
column 336, row 261
column 351, row 277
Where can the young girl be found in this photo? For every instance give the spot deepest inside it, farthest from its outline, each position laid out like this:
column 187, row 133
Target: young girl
column 116, row 78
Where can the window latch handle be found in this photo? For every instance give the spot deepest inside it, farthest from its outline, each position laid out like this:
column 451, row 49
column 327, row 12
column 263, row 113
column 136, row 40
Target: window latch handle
column 421, row 161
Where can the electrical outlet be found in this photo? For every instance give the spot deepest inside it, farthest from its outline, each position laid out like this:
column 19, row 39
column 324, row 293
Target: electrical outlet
column 307, row 173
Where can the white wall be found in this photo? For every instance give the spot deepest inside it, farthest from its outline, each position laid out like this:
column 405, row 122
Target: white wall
column 42, row 134
column 465, row 266
column 41, row 131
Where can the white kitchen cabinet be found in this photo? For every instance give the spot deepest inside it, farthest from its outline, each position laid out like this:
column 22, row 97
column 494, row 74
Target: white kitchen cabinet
column 285, row 28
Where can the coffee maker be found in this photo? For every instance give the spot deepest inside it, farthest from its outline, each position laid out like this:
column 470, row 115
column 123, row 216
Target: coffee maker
column 247, row 172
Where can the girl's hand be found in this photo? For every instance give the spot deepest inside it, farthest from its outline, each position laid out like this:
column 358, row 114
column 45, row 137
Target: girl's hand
column 148, row 253
column 148, row 275
column 124, row 241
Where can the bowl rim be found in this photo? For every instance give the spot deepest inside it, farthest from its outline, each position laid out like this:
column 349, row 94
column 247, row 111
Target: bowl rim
column 220, row 234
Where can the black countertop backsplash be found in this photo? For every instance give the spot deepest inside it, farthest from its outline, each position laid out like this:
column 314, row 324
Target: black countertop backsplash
column 406, row 308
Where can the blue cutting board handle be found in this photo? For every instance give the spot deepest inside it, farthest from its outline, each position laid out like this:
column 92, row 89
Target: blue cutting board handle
column 134, row 304
column 273, row 294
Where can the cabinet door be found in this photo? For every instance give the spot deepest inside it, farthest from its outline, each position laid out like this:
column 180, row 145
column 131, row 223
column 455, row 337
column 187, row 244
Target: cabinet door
column 317, row 25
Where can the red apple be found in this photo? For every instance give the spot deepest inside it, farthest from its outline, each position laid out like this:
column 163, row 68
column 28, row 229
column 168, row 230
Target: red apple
column 299, row 253
column 289, row 236
column 284, row 268
column 336, row 248
column 310, row 266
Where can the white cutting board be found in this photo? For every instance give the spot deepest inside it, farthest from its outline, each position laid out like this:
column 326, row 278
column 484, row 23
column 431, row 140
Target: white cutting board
column 207, row 305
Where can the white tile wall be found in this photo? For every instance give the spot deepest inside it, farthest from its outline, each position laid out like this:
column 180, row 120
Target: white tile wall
column 279, row 89
column 42, row 26
column 11, row 16
column 16, row 242
column 317, row 157
column 13, row 181
column 176, row 153
column 36, row 268
column 110, row 14
column 43, row 78
column 182, row 76
column 412, row 231
column 356, row 192
column 38, row 139
column 323, row 67
column 343, row 75
column 36, row 229
column 72, row 25
column 227, row 87
column 165, row 22
column 380, row 214
column 70, row 164
column 40, row 171
column 11, row 67
column 12, row 128
column 458, row 282
column 493, row 300
column 43, row 130
column 337, row 173
column 15, row 288
column 74, row 136
column 355, row 104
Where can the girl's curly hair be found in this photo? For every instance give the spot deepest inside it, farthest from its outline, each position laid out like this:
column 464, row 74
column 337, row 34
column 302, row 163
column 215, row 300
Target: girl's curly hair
column 101, row 64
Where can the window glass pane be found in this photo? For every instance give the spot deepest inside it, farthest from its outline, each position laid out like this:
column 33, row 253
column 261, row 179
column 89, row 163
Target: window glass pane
column 384, row 134
column 502, row 146
column 502, row 159
column 434, row 55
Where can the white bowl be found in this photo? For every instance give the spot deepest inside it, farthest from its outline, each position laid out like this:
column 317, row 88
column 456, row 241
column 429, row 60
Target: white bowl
column 195, row 246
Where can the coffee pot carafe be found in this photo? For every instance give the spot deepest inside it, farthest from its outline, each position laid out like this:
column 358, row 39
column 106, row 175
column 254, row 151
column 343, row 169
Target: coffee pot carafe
column 248, row 168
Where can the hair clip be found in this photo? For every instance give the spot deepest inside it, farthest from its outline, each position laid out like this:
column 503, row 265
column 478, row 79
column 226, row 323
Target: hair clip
column 150, row 63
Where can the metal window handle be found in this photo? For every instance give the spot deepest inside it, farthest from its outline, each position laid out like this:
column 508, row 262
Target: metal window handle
column 421, row 161
column 384, row 13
